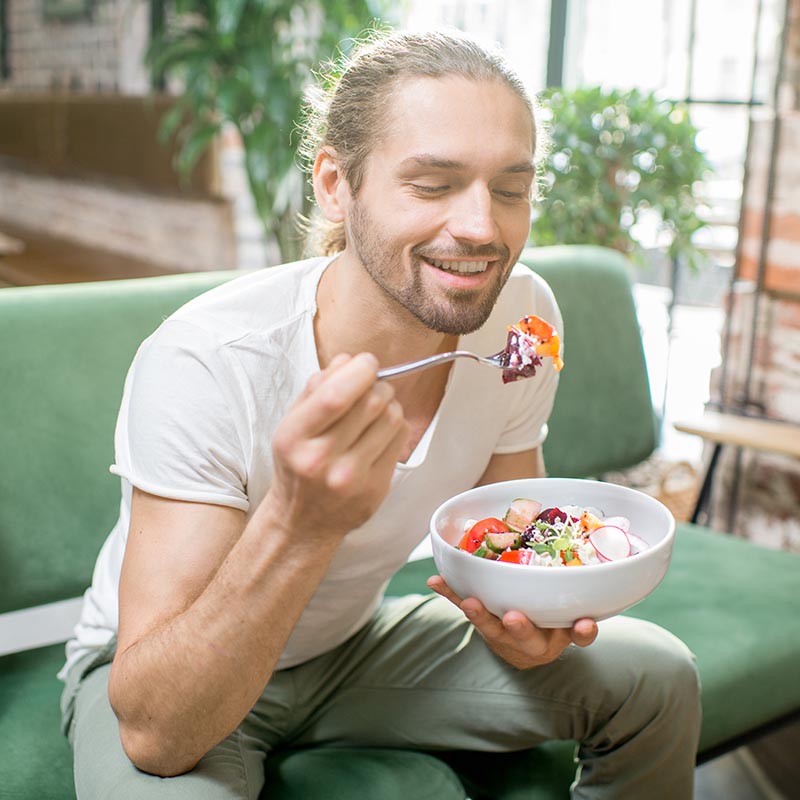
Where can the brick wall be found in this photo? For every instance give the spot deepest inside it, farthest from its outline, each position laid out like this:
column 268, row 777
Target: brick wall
column 768, row 492
column 98, row 54
column 101, row 52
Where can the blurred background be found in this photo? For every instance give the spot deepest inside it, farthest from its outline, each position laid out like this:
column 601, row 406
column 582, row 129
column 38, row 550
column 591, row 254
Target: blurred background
column 146, row 137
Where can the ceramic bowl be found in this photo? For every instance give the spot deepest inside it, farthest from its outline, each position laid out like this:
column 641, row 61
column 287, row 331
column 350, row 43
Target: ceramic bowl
column 554, row 597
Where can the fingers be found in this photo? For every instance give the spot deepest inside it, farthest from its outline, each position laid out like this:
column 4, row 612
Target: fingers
column 514, row 637
column 375, row 451
column 330, row 395
column 377, row 405
column 338, row 409
column 318, row 377
column 388, row 458
column 438, row 585
column 487, row 624
column 584, row 632
column 540, row 643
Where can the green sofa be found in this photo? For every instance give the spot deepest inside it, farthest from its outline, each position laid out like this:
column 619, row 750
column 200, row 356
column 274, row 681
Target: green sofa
column 64, row 351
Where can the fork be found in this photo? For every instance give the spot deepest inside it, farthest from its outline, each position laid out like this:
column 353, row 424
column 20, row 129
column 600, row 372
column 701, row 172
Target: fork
column 496, row 360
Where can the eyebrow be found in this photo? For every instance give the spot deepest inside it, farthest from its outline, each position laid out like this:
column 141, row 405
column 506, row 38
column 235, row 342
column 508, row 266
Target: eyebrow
column 436, row 162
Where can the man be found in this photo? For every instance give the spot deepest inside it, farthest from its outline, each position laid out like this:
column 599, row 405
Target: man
column 271, row 485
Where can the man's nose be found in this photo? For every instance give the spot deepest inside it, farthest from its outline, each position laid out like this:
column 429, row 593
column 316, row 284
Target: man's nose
column 472, row 217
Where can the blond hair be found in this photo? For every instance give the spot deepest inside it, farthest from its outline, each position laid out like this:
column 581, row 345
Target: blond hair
column 348, row 109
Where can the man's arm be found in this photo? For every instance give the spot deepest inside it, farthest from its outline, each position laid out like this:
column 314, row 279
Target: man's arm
column 207, row 602
column 514, row 637
column 511, row 466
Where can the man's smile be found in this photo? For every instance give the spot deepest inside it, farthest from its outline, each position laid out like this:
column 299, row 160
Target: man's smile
column 463, row 267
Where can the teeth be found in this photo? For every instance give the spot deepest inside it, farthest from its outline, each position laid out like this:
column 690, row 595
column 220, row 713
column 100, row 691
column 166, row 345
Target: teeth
column 464, row 267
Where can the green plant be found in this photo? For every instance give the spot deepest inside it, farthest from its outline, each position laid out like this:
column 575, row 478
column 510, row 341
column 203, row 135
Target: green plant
column 615, row 160
column 248, row 63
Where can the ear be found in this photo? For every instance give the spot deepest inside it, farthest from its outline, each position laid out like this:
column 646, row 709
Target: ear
column 331, row 189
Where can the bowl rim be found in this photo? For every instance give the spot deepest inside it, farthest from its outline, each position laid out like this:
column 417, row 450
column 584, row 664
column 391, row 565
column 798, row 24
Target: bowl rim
column 652, row 552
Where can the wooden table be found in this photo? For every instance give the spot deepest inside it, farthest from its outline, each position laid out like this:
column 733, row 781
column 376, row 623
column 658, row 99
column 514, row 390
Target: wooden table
column 9, row 246
column 755, row 433
column 33, row 258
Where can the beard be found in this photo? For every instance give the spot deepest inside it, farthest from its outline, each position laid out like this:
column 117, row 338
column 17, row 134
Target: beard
column 458, row 311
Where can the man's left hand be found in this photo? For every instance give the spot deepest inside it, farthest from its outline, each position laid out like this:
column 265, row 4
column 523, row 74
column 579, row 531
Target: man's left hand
column 514, row 638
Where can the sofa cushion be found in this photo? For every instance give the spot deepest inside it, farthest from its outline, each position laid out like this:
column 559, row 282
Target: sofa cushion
column 346, row 773
column 37, row 760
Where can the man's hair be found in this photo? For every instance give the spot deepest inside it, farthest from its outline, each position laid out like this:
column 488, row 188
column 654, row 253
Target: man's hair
column 349, row 108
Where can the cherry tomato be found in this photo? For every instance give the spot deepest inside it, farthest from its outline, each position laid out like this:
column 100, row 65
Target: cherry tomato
column 549, row 343
column 474, row 537
column 516, row 556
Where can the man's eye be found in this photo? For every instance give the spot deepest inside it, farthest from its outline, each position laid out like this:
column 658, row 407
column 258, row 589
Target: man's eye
column 507, row 194
column 423, row 189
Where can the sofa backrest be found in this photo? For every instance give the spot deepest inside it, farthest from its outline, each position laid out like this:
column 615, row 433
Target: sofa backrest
column 65, row 350
column 64, row 353
column 603, row 416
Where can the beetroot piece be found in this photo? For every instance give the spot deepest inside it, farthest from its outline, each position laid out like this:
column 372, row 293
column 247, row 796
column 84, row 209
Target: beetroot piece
column 520, row 358
column 552, row 515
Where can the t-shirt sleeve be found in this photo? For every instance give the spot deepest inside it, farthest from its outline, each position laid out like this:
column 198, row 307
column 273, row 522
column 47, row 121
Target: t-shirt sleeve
column 177, row 434
column 530, row 401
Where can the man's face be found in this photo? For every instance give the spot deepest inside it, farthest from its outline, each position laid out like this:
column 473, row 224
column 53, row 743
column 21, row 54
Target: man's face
column 443, row 211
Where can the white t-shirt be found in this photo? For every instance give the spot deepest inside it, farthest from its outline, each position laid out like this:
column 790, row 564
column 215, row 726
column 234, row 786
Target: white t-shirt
column 206, row 391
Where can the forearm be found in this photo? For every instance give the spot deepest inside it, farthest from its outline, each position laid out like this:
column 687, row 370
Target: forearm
column 185, row 685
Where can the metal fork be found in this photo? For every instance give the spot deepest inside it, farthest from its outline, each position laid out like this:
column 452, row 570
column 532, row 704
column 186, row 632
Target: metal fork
column 496, row 360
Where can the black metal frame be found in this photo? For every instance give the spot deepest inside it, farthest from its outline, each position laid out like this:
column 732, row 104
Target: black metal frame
column 158, row 16
column 5, row 66
column 67, row 10
column 557, row 43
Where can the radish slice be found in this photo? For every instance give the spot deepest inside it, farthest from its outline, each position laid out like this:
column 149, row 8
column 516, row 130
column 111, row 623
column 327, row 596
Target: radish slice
column 610, row 542
column 638, row 545
column 619, row 522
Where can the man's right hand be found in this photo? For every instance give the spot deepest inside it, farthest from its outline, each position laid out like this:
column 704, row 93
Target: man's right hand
column 336, row 449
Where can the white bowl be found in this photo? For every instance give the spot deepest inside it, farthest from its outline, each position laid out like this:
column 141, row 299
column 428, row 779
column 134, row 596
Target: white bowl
column 554, row 597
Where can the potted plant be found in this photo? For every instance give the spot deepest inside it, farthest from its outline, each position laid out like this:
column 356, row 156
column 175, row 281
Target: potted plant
column 247, row 63
column 616, row 162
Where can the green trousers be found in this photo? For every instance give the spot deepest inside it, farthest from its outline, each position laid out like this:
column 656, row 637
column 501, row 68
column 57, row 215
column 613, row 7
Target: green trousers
column 419, row 676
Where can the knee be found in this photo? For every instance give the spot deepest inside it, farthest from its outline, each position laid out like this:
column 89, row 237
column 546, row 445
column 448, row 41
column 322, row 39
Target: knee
column 665, row 677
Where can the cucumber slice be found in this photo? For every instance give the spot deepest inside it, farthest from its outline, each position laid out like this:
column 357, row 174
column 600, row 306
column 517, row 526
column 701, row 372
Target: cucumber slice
column 499, row 542
column 521, row 513
column 484, row 552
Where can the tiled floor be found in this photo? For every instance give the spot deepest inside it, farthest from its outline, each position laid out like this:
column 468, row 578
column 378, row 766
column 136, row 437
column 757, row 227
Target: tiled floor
column 736, row 776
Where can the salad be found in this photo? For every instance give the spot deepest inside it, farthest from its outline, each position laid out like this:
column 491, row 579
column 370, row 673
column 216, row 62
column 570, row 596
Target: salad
column 569, row 536
column 528, row 341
